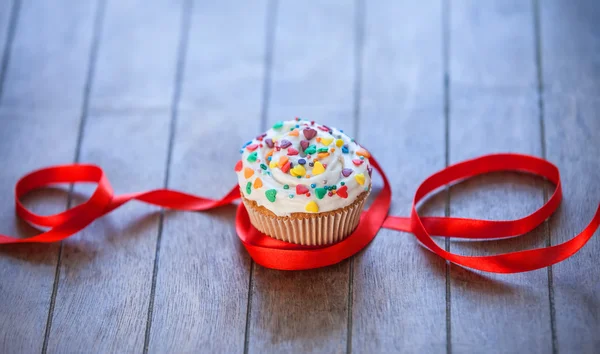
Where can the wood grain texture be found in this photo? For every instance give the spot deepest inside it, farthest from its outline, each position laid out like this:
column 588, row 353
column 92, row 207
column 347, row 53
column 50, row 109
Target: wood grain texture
column 493, row 108
column 570, row 42
column 570, row 47
column 399, row 287
column 48, row 60
column 139, row 56
column 106, row 270
column 202, row 282
column 313, row 78
column 28, row 140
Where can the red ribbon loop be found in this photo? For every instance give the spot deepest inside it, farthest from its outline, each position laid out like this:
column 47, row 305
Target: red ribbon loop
column 276, row 254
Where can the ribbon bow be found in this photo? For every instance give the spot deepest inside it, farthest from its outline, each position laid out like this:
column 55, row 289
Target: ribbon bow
column 272, row 253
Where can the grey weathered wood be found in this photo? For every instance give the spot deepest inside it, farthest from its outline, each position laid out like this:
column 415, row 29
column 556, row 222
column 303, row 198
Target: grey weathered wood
column 48, row 58
column 570, row 43
column 8, row 18
column 106, row 270
column 570, row 47
column 30, row 140
column 399, row 287
column 202, row 283
column 494, row 108
column 313, row 77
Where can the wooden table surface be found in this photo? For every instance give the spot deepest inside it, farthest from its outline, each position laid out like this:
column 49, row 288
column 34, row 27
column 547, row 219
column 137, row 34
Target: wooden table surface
column 163, row 93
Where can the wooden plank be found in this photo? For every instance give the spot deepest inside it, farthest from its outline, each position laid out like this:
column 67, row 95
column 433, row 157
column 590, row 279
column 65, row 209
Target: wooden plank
column 9, row 13
column 494, row 108
column 48, row 60
column 399, row 287
column 29, row 141
column 106, row 270
column 570, row 47
column 570, row 43
column 202, row 282
column 312, row 77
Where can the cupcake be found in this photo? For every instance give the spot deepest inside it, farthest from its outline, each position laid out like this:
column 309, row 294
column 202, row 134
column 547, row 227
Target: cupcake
column 304, row 182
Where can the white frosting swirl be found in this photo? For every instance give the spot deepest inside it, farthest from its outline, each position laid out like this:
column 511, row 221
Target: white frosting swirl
column 299, row 166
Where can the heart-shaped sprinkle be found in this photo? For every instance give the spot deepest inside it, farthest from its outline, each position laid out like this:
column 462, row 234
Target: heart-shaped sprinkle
column 360, row 178
column 357, row 162
column 269, row 142
column 284, row 143
column 238, row 166
column 326, row 141
column 298, row 170
column 347, row 172
column 283, row 160
column 343, row 192
column 310, row 150
column 318, row 168
column 252, row 157
column 252, row 147
column 271, row 194
column 257, row 183
column 309, row 133
column 248, row 172
column 292, row 151
column 286, row 167
column 312, row 207
column 301, row 189
column 363, row 152
column 304, row 144
column 320, row 192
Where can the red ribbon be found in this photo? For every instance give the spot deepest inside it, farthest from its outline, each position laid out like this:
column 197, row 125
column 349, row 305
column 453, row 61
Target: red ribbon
column 272, row 253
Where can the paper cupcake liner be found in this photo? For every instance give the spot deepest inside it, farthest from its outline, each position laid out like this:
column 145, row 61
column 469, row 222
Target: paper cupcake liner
column 308, row 229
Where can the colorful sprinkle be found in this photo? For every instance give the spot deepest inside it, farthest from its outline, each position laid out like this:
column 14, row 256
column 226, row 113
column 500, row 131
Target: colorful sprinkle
column 311, row 150
column 291, row 196
column 269, row 142
column 304, row 144
column 320, row 192
column 322, row 149
column 347, row 172
column 257, row 183
column 263, row 166
column 339, row 143
column 312, row 207
column 344, row 149
column 252, row 147
column 309, row 133
column 294, row 132
column 326, row 141
column 301, row 161
column 238, row 166
column 318, row 168
column 360, row 178
column 270, row 194
column 343, row 191
column 357, row 162
column 301, row 189
column 248, row 187
column 246, row 144
column 252, row 157
column 342, row 183
column 364, row 153
column 286, row 167
column 273, row 164
column 286, row 186
column 311, row 164
column 248, row 172
column 298, row 171
column 370, row 170
column 312, row 185
column 330, row 193
column 323, row 155
column 283, row 160
column 278, row 125
column 284, row 143
column 292, row 152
